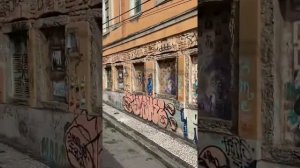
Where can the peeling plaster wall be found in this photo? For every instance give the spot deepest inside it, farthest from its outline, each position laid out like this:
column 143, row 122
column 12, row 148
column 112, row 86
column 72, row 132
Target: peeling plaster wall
column 48, row 129
column 47, row 135
column 225, row 150
column 167, row 77
column 39, row 131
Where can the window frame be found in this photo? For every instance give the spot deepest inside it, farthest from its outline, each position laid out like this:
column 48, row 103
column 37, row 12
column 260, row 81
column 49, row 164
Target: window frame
column 117, row 78
column 157, row 89
column 21, row 35
column 53, row 75
column 107, row 78
column 133, row 8
column 134, row 77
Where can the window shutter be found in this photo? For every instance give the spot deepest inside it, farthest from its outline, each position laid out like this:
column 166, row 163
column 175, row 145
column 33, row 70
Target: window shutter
column 21, row 81
column 296, row 39
column 105, row 16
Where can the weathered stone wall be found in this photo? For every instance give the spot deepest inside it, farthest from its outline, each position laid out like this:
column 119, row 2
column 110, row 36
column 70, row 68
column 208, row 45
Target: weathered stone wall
column 170, row 107
column 51, row 136
column 280, row 83
column 51, row 130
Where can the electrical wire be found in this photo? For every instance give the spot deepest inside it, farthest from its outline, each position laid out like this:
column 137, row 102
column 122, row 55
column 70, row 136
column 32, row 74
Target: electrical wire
column 126, row 11
column 154, row 12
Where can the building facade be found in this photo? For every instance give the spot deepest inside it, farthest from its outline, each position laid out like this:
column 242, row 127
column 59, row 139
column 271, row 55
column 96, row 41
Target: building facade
column 150, row 62
column 248, row 59
column 50, row 88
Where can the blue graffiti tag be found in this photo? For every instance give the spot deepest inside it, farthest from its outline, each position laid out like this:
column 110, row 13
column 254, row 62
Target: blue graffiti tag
column 149, row 86
column 184, row 120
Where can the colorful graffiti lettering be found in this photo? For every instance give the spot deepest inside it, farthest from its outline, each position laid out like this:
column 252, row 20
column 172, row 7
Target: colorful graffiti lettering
column 83, row 141
column 151, row 109
column 149, row 85
column 184, row 120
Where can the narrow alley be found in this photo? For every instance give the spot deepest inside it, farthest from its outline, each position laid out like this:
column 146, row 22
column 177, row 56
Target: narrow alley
column 120, row 151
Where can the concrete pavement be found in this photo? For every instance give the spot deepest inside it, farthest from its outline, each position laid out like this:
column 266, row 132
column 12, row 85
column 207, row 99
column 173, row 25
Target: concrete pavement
column 10, row 158
column 172, row 151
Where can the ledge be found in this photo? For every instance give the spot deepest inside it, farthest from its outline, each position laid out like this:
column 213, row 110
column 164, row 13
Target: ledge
column 53, row 105
column 283, row 155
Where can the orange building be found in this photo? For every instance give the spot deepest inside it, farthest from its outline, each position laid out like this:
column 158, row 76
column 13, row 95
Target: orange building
column 150, row 61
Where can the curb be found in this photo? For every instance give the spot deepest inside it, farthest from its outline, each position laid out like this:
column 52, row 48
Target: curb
column 170, row 160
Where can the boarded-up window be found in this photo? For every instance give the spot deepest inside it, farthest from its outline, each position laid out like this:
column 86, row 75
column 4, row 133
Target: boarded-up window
column 194, row 79
column 56, row 41
column 20, row 65
column 72, row 46
column 139, row 80
column 167, row 77
column 109, row 78
column 120, row 77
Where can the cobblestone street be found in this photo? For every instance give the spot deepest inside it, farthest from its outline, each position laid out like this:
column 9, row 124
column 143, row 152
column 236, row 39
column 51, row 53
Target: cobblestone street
column 10, row 158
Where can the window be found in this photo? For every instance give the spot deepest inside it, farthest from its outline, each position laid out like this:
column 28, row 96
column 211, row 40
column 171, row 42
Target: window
column 20, row 65
column 109, row 78
column 167, row 77
column 72, row 46
column 139, row 79
column 106, row 15
column 160, row 2
column 194, row 79
column 57, row 73
column 120, row 77
column 135, row 6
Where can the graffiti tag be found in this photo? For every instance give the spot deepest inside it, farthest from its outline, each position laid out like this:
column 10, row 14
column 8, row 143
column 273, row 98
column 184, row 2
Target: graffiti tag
column 239, row 151
column 151, row 109
column 82, row 141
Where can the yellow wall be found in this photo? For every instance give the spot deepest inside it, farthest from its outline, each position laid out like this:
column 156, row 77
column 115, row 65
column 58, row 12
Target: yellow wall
column 148, row 19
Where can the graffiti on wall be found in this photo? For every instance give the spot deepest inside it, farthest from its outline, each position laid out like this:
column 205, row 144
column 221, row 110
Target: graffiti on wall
column 154, row 110
column 239, row 151
column 167, row 76
column 83, row 141
column 245, row 90
column 194, row 79
column 149, row 85
column 54, row 152
column 215, row 67
column 233, row 153
column 292, row 105
column 213, row 157
column 181, row 42
column 77, row 95
column 189, row 121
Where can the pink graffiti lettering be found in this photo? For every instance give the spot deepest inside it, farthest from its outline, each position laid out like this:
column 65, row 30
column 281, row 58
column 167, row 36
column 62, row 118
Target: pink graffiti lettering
column 151, row 109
